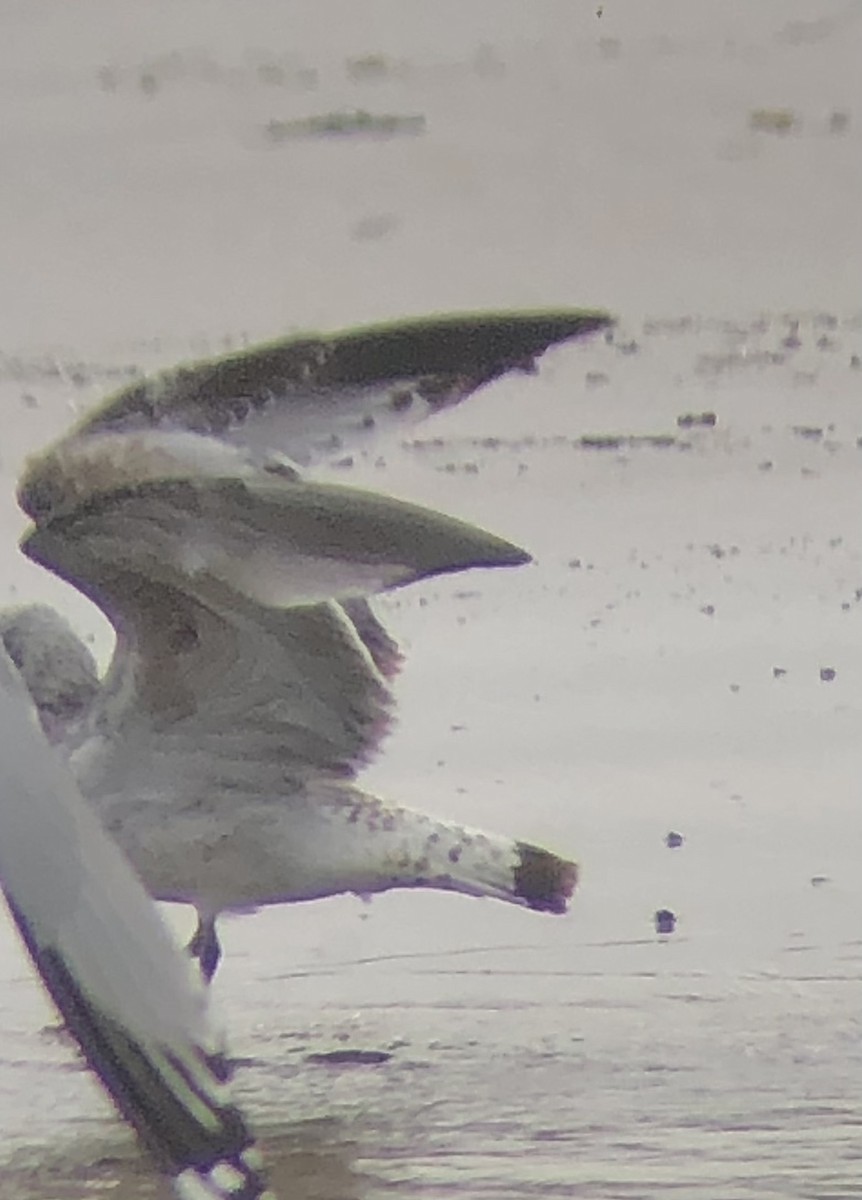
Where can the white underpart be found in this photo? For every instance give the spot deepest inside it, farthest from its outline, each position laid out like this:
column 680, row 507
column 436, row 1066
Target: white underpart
column 95, row 935
column 77, row 892
column 319, row 424
column 329, row 840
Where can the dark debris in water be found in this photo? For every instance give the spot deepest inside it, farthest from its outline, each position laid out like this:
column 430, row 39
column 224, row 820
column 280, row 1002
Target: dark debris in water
column 665, row 921
column 348, row 123
column 622, row 441
column 349, row 1058
column 706, row 420
column 774, row 120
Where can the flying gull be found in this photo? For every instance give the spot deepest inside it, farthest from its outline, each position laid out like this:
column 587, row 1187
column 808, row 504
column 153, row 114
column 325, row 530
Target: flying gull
column 251, row 680
column 122, row 986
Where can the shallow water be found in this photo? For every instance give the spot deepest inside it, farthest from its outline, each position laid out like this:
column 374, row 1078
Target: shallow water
column 665, row 664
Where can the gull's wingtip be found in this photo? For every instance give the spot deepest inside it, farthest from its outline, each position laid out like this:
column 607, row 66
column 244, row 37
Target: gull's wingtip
column 177, row 1103
column 450, row 354
column 503, row 554
column 478, row 345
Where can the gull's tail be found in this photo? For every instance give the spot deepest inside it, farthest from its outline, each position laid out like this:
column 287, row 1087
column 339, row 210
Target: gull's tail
column 341, row 840
column 544, row 881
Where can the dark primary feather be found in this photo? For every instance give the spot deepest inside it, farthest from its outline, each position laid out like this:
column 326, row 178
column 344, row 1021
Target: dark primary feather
column 201, row 1136
column 315, row 397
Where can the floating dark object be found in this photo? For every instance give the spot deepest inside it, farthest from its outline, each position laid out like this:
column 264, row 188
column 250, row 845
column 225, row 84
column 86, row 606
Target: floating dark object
column 625, row 441
column 812, row 433
column 350, row 1058
column 674, row 840
column 665, row 921
column 690, row 420
column 352, row 123
column 780, row 121
column 779, row 672
column 827, row 674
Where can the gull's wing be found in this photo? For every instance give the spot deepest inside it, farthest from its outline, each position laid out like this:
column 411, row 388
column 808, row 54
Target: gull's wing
column 307, row 397
column 213, row 572
column 187, row 512
column 120, row 983
column 167, row 508
column 315, row 397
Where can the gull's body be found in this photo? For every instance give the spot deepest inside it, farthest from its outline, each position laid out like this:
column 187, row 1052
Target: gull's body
column 250, row 680
column 111, row 967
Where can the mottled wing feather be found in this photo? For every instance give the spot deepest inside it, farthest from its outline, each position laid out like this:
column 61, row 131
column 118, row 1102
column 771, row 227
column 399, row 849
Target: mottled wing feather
column 265, row 693
column 315, row 397
column 380, row 644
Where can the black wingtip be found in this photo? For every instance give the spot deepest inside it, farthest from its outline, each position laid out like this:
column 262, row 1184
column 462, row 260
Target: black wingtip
column 451, row 354
column 481, row 346
column 175, row 1106
column 546, row 882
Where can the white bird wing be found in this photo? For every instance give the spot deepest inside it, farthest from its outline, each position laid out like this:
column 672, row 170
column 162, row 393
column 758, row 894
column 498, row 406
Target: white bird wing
column 314, row 398
column 120, row 983
column 215, row 574
column 168, row 507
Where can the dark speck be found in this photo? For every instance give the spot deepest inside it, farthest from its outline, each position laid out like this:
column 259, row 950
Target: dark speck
column 401, row 401
column 183, row 638
column 674, row 840
column 665, row 921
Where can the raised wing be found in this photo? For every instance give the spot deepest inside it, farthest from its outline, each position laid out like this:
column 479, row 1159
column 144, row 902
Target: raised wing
column 315, row 397
column 174, row 509
column 120, row 983
column 147, row 504
column 217, row 587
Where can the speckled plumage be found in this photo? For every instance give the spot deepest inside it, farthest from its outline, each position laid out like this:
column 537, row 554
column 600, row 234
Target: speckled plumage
column 250, row 681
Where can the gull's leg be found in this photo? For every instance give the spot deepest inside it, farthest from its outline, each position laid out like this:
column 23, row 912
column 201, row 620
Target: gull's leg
column 204, row 945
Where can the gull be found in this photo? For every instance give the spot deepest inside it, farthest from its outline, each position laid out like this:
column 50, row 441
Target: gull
column 121, row 984
column 251, row 680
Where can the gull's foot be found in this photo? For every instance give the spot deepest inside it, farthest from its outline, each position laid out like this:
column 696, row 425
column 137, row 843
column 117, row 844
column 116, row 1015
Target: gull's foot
column 205, row 946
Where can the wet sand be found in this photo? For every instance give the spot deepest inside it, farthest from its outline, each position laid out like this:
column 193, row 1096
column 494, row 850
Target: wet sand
column 684, row 654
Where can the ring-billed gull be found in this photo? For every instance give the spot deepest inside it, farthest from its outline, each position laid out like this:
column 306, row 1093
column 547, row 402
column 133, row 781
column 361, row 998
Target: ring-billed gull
column 111, row 967
column 250, row 680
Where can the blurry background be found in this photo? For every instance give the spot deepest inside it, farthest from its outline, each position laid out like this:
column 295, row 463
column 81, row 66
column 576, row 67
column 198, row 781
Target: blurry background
column 180, row 179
